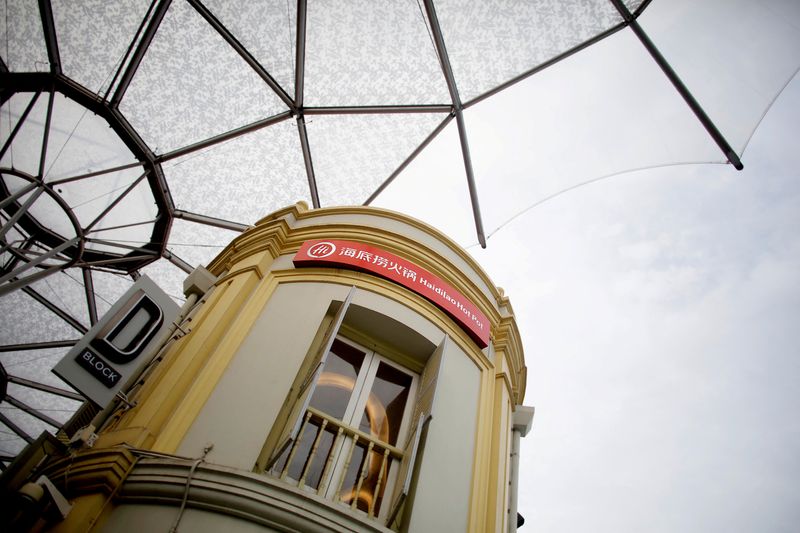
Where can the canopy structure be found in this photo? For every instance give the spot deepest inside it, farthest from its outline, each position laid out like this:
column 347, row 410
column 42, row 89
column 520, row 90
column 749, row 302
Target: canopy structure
column 139, row 137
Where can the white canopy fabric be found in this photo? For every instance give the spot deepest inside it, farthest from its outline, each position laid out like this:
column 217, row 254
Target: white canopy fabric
column 148, row 131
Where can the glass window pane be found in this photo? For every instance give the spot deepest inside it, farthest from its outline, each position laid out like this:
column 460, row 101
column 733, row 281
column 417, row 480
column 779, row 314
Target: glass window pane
column 365, row 494
column 338, row 379
column 383, row 412
column 302, row 455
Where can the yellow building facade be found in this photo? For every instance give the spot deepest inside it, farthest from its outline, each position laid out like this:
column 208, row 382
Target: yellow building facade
column 374, row 384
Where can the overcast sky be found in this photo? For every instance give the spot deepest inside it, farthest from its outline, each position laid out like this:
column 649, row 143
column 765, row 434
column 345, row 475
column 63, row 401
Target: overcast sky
column 659, row 309
column 660, row 313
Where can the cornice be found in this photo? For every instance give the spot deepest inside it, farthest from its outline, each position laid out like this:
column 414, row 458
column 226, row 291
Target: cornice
column 279, row 234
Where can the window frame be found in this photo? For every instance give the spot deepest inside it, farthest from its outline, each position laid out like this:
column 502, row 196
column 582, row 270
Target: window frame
column 417, row 415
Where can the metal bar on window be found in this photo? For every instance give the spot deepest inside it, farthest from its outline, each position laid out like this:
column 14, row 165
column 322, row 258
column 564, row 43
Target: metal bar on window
column 378, row 483
column 19, row 194
column 46, row 133
column 13, row 219
column 116, row 201
column 95, row 173
column 323, row 483
column 8, row 287
column 222, row 137
column 362, row 475
column 418, row 150
column 312, row 453
column 346, row 466
column 306, row 148
column 295, row 445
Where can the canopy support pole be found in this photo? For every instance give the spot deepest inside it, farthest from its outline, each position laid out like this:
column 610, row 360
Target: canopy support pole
column 673, row 77
column 178, row 262
column 91, row 302
column 49, row 30
column 299, row 80
column 458, row 110
column 209, row 221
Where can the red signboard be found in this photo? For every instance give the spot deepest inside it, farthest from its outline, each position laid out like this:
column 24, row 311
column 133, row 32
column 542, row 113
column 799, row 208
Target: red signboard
column 359, row 256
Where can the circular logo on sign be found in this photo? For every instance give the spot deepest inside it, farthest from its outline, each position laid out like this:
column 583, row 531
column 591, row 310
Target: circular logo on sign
column 321, row 249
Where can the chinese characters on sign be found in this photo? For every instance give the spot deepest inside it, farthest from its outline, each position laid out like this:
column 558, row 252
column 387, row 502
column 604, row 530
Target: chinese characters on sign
column 359, row 256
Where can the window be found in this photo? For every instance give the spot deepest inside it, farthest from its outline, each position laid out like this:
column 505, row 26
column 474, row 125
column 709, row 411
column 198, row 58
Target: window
column 355, row 425
column 357, row 414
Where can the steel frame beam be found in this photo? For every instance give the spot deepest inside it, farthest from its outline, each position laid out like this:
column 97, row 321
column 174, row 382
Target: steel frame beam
column 243, row 52
column 16, row 429
column 682, row 89
column 299, row 81
column 549, row 63
column 91, row 301
column 116, row 201
column 46, row 133
column 378, row 109
column 46, row 388
column 95, row 173
column 209, row 221
column 178, row 262
column 20, row 122
column 33, row 412
column 37, row 345
column 222, row 137
column 458, row 109
column 138, row 54
column 13, row 283
column 49, row 30
column 29, row 82
column 418, row 150
column 60, row 313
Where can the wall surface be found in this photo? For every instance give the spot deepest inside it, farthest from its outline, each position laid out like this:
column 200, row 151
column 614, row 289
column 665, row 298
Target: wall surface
column 442, row 498
column 238, row 415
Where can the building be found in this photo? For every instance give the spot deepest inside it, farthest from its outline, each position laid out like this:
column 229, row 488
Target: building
column 338, row 369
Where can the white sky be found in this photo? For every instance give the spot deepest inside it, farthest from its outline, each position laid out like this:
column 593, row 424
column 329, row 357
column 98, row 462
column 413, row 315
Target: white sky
column 659, row 309
column 659, row 312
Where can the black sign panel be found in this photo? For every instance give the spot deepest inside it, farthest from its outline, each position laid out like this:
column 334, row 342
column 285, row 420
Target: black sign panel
column 97, row 367
column 129, row 330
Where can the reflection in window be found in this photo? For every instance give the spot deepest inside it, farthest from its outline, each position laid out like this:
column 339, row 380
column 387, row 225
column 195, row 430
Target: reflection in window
column 355, row 418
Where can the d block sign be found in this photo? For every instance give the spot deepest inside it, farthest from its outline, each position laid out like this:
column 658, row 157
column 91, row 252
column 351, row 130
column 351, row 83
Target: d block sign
column 359, row 256
column 118, row 345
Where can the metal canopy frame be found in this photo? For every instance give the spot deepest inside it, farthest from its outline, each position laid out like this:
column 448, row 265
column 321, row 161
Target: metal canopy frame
column 45, row 252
